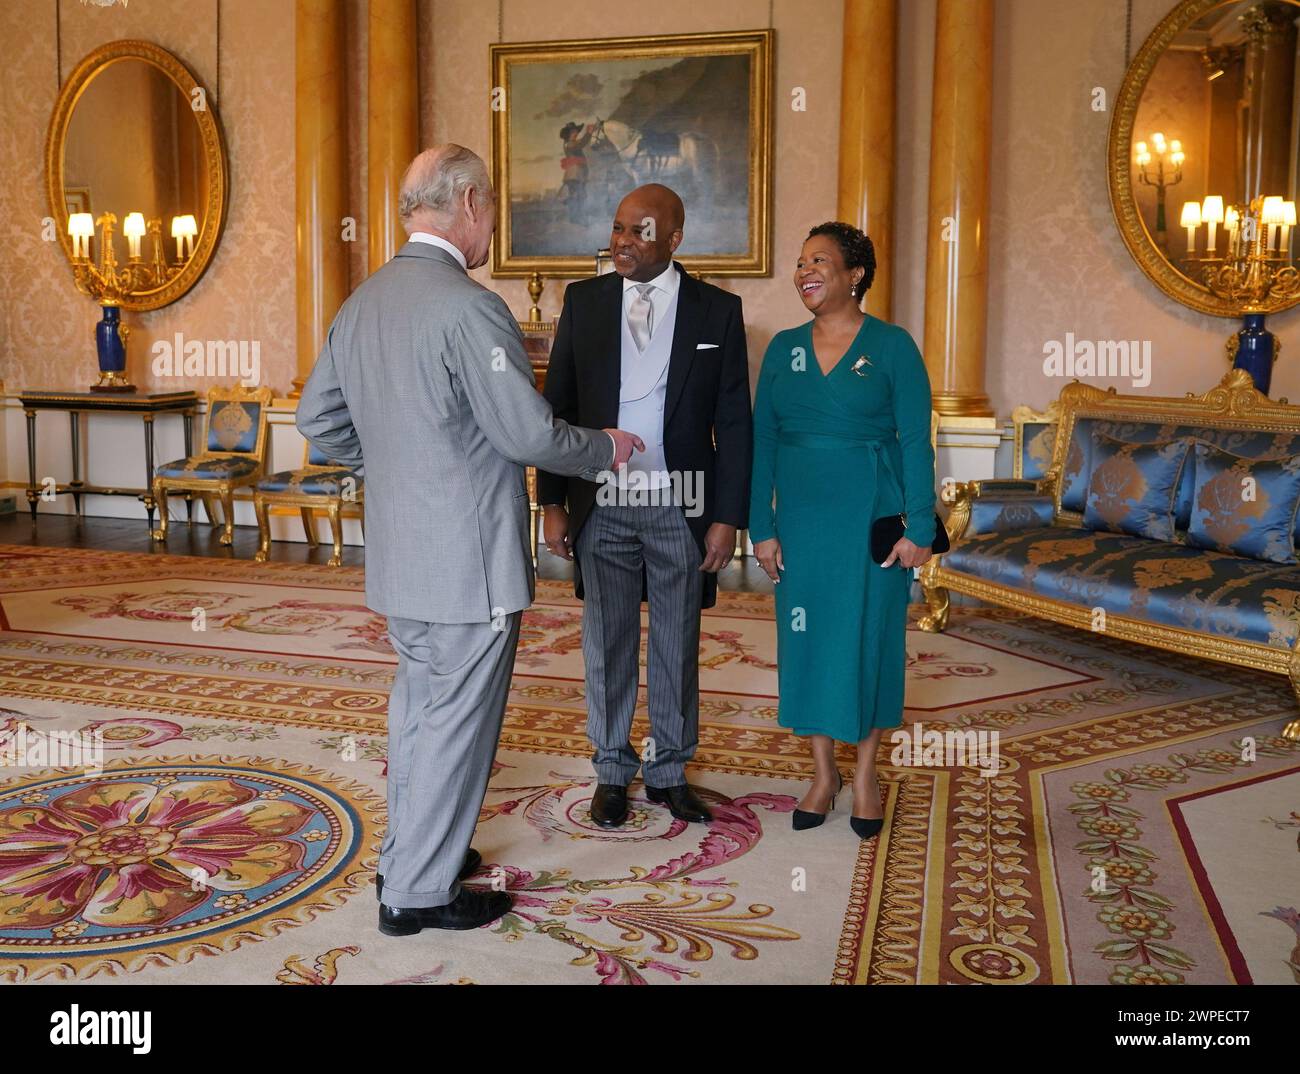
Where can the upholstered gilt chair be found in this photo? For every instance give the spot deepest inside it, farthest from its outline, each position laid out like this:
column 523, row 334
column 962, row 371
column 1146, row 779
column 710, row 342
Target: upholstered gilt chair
column 319, row 485
column 234, row 456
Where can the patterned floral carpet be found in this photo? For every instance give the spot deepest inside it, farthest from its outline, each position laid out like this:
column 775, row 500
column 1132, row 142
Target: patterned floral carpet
column 1141, row 827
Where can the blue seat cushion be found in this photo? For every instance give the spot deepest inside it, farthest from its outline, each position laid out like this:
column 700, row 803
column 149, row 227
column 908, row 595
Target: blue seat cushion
column 208, row 467
column 312, row 482
column 1154, row 581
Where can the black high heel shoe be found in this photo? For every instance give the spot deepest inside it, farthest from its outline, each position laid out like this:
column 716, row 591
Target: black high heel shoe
column 868, row 829
column 802, row 820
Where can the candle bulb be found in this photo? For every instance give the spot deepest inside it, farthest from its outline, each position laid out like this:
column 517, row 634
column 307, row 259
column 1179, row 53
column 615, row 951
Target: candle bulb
column 81, row 226
column 1191, row 220
column 1271, row 217
column 1288, row 222
column 184, row 228
column 133, row 229
column 1211, row 216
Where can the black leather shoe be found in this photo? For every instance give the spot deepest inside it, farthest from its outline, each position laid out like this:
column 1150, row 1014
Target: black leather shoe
column 473, row 859
column 802, row 819
column 682, row 802
column 468, row 910
column 866, row 829
column 609, row 805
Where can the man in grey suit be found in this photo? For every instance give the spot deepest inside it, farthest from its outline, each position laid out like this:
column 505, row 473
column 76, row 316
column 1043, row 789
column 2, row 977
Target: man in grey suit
column 424, row 387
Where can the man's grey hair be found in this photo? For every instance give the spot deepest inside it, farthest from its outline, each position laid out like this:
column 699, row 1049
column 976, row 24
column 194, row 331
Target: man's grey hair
column 437, row 179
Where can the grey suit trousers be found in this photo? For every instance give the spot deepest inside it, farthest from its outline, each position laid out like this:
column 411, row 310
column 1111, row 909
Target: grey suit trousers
column 612, row 547
column 444, row 720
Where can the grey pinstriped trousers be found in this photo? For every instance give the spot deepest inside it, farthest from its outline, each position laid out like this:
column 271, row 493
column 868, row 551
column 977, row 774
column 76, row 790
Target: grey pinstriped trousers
column 614, row 544
column 444, row 720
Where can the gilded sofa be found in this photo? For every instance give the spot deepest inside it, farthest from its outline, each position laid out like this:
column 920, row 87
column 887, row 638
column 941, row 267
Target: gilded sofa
column 1022, row 543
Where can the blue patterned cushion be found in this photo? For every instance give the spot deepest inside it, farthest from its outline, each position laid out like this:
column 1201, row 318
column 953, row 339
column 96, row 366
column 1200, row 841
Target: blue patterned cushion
column 232, row 426
column 1169, row 584
column 1078, row 459
column 1246, row 506
column 990, row 514
column 208, row 467
column 1132, row 486
column 314, row 482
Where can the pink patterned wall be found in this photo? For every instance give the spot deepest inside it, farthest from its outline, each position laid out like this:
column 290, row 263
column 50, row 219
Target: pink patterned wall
column 1056, row 263
column 46, row 326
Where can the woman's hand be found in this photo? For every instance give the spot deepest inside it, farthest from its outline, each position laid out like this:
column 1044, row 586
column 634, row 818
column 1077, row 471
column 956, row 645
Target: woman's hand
column 768, row 554
column 905, row 552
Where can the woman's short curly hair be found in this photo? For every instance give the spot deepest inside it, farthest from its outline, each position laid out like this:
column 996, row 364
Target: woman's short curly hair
column 858, row 251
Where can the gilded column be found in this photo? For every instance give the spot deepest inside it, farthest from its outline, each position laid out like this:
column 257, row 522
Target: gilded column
column 866, row 177
column 392, row 90
column 956, row 270
column 321, row 174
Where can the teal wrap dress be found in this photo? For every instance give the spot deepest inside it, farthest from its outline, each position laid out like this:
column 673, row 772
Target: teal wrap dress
column 836, row 451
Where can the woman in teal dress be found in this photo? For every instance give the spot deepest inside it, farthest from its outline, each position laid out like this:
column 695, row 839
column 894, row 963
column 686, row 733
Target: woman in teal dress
column 841, row 438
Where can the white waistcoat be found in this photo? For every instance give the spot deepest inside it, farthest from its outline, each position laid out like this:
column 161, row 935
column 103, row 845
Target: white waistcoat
column 643, row 390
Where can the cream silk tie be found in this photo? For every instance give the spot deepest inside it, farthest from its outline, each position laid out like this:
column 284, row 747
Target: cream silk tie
column 640, row 316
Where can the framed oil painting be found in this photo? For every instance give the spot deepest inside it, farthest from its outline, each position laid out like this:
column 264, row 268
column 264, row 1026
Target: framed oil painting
column 581, row 123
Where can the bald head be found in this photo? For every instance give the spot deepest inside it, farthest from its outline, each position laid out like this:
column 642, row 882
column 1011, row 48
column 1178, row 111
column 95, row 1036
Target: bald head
column 446, row 192
column 662, row 203
column 647, row 230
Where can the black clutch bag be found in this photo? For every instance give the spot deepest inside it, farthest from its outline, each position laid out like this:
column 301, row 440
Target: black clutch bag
column 888, row 530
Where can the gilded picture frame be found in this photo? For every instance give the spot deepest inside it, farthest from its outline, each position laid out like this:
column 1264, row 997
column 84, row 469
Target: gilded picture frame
column 578, row 124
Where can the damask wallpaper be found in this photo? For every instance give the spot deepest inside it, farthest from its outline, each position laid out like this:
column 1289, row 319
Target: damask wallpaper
column 1056, row 262
column 46, row 327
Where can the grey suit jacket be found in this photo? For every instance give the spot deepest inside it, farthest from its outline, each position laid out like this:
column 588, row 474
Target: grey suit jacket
column 423, row 384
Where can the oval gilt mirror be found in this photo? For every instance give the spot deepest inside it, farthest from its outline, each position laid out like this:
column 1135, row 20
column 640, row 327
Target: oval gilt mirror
column 1203, row 155
column 127, row 146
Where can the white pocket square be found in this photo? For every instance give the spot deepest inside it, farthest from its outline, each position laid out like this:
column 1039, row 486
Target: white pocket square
column 706, row 346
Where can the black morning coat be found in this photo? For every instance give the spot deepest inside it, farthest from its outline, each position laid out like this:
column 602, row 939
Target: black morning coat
column 708, row 423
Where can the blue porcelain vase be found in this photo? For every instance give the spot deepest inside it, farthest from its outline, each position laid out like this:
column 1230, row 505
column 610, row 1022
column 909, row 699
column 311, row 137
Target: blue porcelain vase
column 111, row 348
column 1256, row 346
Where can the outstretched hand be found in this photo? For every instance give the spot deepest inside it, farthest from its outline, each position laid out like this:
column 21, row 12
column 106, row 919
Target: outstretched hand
column 624, row 444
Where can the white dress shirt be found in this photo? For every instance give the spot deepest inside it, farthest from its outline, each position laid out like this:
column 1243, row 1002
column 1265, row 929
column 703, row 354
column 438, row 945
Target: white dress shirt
column 661, row 298
column 438, row 240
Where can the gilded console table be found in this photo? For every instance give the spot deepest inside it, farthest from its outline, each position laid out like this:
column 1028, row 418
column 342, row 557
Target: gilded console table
column 147, row 405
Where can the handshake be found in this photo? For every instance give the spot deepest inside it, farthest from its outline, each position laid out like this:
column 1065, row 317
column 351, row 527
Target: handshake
column 624, row 444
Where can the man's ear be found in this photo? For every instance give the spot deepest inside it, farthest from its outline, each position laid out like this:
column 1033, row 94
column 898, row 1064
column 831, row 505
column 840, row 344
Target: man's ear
column 675, row 240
